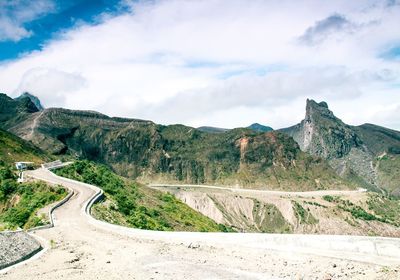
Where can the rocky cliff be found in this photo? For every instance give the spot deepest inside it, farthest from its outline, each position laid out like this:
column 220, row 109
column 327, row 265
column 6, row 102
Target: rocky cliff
column 353, row 151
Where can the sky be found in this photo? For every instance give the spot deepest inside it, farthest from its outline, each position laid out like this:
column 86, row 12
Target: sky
column 217, row 63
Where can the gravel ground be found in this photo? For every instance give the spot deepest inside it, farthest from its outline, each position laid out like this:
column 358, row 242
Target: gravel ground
column 15, row 247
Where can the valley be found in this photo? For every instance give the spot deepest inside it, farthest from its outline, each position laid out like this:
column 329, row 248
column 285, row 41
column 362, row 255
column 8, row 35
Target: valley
column 204, row 140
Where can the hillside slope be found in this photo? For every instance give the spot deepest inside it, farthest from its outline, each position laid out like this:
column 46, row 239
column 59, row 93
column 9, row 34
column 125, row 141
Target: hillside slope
column 176, row 153
column 326, row 212
column 13, row 148
column 353, row 151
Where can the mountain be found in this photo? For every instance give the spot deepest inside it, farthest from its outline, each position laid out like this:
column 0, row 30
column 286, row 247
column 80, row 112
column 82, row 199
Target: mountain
column 355, row 152
column 150, row 152
column 33, row 98
column 260, row 127
column 10, row 108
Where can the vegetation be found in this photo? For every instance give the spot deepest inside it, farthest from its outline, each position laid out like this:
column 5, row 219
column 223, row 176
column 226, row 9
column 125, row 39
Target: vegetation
column 129, row 203
column 315, row 204
column 19, row 202
column 330, row 198
column 388, row 209
column 380, row 208
column 303, row 215
column 356, row 211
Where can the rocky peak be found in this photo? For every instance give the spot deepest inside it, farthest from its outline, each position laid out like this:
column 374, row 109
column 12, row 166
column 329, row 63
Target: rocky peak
column 315, row 109
column 35, row 100
column 323, row 134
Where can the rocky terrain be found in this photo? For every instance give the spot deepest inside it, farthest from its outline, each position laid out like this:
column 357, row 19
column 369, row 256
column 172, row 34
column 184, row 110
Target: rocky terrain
column 353, row 151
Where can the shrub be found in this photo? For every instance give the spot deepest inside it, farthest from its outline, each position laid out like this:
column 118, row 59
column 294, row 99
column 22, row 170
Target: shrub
column 328, row 198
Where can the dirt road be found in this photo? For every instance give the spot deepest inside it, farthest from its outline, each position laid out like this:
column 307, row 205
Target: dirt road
column 80, row 247
column 260, row 192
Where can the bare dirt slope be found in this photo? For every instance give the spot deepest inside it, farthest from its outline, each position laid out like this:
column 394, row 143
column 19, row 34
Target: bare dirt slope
column 80, row 248
column 275, row 211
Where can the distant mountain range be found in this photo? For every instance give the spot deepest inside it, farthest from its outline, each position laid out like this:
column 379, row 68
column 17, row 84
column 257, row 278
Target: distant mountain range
column 255, row 126
column 321, row 152
column 260, row 127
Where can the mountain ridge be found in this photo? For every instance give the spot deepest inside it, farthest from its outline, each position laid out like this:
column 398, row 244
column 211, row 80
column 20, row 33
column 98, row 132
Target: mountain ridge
column 175, row 153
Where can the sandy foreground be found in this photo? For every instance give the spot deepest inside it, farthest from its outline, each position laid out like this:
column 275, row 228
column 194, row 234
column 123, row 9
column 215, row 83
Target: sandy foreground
column 78, row 248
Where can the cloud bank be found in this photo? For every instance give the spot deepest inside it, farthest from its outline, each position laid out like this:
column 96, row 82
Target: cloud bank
column 222, row 63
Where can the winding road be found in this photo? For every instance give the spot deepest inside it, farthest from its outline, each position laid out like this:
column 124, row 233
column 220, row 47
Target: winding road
column 80, row 247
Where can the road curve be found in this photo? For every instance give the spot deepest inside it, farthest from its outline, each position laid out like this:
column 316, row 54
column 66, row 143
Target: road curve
column 81, row 247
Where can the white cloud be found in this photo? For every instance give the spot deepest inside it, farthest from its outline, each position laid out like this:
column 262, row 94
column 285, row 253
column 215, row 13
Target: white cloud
column 14, row 14
column 218, row 62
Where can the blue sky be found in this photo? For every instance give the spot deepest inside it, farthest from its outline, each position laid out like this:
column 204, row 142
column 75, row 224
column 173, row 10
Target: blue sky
column 216, row 62
column 55, row 17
